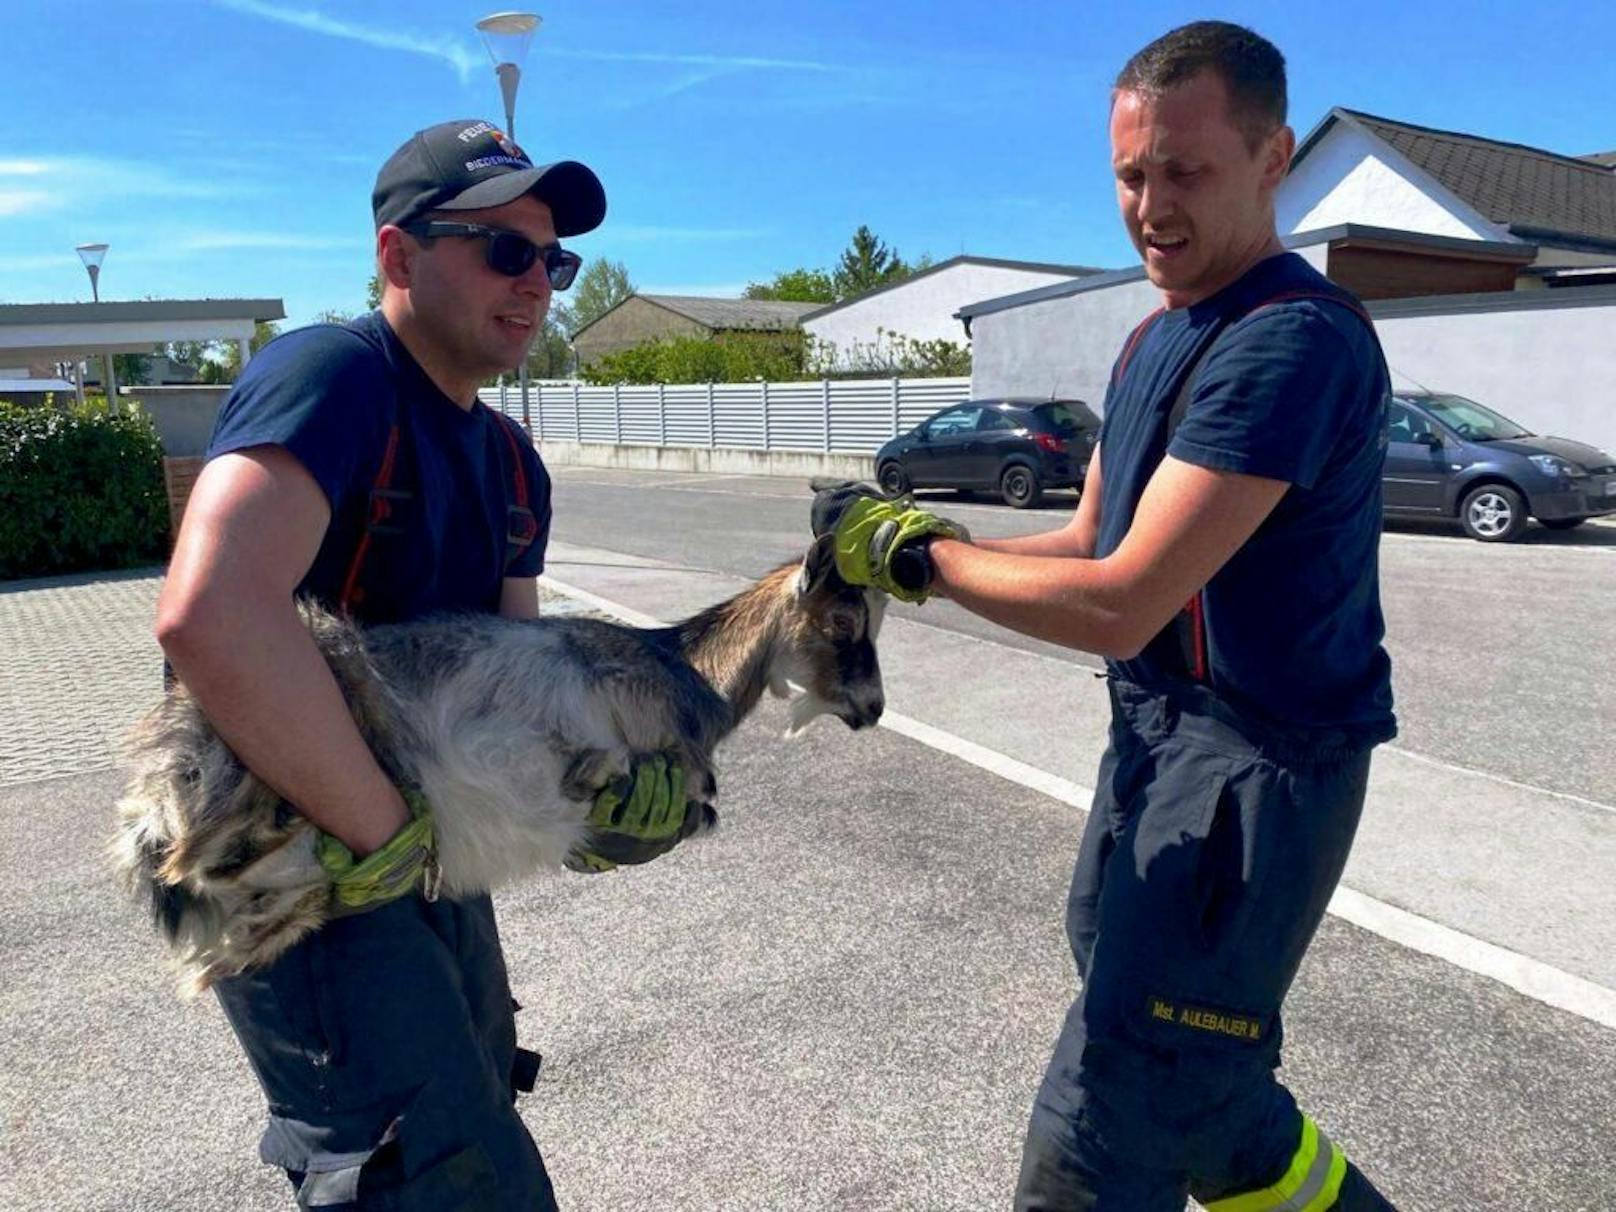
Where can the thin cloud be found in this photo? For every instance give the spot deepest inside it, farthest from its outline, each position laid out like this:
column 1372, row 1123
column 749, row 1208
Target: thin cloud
column 21, row 201
column 722, row 62
column 70, row 181
column 465, row 58
column 457, row 53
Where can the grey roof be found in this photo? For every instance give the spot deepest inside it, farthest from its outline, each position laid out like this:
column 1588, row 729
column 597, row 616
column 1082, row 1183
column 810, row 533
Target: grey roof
column 1536, row 194
column 725, row 315
column 145, row 309
column 1608, row 159
column 1070, row 271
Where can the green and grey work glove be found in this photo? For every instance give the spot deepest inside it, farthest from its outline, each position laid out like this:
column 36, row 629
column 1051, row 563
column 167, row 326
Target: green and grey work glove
column 406, row 861
column 640, row 816
column 880, row 542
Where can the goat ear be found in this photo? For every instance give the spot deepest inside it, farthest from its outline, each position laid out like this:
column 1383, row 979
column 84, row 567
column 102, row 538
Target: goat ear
column 818, row 566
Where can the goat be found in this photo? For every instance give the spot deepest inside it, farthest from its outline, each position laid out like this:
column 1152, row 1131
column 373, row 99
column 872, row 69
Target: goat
column 508, row 727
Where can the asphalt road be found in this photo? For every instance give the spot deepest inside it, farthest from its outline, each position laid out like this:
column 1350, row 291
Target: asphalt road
column 1502, row 654
column 844, row 999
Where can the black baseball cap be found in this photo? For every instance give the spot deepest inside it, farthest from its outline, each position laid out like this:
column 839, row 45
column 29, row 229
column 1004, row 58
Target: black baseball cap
column 468, row 165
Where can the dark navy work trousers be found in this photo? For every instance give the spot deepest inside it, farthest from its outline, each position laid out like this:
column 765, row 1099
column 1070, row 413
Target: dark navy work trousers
column 384, row 1043
column 1212, row 849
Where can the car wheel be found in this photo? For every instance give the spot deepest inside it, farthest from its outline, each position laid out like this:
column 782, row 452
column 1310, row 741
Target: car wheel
column 1493, row 513
column 1019, row 486
column 1562, row 523
column 893, row 482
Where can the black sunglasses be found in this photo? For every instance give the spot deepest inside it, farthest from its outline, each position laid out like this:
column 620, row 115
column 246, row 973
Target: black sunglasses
column 508, row 252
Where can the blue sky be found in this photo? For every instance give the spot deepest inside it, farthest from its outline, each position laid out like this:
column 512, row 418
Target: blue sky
column 228, row 147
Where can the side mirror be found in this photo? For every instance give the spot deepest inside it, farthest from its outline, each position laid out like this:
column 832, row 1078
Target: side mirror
column 1430, row 438
column 922, row 434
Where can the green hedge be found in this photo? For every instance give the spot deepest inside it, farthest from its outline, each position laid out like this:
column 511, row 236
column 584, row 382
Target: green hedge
column 79, row 490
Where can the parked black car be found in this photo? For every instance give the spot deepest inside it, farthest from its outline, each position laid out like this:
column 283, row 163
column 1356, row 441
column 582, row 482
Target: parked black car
column 1017, row 447
column 1447, row 456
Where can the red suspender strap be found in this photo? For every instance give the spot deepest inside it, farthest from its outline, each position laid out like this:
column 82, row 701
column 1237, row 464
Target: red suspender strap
column 1133, row 340
column 518, row 475
column 521, row 527
column 1191, row 621
column 377, row 512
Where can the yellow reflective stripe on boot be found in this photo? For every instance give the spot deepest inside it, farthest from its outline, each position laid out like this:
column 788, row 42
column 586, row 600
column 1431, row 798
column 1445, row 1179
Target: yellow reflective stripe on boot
column 1311, row 1184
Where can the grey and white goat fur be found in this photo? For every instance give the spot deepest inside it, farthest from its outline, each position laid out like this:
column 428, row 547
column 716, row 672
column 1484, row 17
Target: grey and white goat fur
column 508, row 727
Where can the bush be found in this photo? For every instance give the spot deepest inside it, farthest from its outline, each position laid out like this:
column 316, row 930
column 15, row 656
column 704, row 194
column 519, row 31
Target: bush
column 727, row 358
column 79, row 490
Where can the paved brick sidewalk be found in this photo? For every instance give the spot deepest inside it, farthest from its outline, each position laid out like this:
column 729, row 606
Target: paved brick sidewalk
column 80, row 666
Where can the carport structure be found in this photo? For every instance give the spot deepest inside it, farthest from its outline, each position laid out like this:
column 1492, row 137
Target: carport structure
column 32, row 334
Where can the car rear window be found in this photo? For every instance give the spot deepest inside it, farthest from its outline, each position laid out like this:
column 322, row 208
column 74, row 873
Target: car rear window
column 1064, row 417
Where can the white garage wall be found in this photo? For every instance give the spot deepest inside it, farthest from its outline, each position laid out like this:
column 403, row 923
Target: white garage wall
column 1544, row 362
column 923, row 308
column 1545, row 358
column 1063, row 346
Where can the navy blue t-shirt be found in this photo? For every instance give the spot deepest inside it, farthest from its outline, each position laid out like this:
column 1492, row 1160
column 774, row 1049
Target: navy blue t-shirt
column 330, row 394
column 1294, row 391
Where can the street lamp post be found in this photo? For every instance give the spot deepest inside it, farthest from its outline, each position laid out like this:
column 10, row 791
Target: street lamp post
column 506, row 35
column 92, row 255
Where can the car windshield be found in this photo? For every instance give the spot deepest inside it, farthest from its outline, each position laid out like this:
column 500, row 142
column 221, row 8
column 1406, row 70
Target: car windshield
column 1470, row 420
column 1065, row 417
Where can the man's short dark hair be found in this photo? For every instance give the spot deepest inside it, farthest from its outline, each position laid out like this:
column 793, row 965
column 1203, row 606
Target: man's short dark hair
column 1252, row 69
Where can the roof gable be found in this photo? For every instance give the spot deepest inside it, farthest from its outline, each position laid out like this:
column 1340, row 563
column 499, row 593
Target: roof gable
column 1071, row 271
column 1532, row 192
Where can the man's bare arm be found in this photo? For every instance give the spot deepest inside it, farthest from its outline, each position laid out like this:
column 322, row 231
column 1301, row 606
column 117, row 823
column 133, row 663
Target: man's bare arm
column 1076, row 538
column 227, row 623
column 1189, row 522
column 519, row 598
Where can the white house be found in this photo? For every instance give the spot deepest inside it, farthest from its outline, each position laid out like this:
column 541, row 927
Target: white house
column 1489, row 268
column 923, row 307
column 1358, row 168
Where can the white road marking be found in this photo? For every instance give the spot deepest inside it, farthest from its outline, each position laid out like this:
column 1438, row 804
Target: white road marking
column 1498, row 778
column 1529, row 977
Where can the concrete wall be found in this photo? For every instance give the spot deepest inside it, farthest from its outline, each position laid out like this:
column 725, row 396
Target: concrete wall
column 1543, row 358
column 1063, row 347
column 922, row 309
column 1350, row 178
column 790, row 464
column 633, row 323
column 184, row 416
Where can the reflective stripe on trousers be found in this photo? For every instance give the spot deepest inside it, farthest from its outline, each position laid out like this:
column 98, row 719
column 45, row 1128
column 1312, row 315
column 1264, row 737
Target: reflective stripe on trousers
column 1312, row 1183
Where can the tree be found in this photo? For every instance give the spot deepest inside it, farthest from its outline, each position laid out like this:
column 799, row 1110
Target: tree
column 867, row 264
column 598, row 289
column 795, row 286
column 550, row 356
column 737, row 357
column 373, row 292
column 132, row 369
column 220, row 361
column 890, row 354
